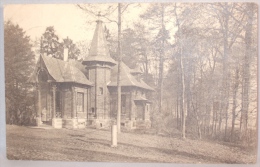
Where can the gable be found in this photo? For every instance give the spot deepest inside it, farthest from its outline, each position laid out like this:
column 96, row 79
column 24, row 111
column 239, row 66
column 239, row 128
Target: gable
column 60, row 71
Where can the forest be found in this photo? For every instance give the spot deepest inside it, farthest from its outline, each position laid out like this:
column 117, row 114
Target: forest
column 201, row 59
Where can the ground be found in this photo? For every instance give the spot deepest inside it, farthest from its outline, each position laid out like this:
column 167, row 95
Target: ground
column 27, row 143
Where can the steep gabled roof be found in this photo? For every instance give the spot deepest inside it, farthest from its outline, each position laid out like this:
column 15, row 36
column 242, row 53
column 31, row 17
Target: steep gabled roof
column 62, row 71
column 127, row 79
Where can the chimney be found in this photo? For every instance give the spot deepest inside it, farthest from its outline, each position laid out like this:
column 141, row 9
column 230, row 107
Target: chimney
column 65, row 54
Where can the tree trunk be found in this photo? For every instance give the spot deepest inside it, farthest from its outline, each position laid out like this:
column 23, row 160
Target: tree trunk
column 183, row 109
column 119, row 72
column 177, row 112
column 224, row 94
column 234, row 106
column 183, row 100
column 246, row 70
column 161, row 61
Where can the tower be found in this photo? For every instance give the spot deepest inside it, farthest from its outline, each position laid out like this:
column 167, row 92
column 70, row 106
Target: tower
column 98, row 65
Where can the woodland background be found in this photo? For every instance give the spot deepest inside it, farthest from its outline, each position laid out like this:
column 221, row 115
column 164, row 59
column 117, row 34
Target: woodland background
column 201, row 59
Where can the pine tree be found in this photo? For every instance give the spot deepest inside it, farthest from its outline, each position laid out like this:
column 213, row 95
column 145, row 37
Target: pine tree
column 19, row 62
column 50, row 43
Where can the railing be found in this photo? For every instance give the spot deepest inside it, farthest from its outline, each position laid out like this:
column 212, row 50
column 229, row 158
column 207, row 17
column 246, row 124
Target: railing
column 58, row 115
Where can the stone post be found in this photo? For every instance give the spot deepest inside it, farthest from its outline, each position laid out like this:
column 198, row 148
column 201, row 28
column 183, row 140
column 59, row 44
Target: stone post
column 54, row 101
column 39, row 112
column 56, row 122
column 74, row 96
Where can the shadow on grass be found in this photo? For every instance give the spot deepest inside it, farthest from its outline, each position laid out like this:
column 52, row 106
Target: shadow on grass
column 184, row 154
column 105, row 143
column 90, row 155
column 174, row 152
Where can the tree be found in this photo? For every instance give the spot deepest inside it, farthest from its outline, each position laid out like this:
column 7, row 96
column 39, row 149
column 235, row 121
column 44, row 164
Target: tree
column 19, row 62
column 250, row 11
column 50, row 44
column 119, row 24
column 157, row 14
column 83, row 46
column 73, row 50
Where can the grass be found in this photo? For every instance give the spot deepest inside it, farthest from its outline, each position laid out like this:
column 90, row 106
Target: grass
column 25, row 143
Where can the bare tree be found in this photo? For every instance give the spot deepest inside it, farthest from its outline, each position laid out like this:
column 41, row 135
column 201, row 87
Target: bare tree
column 250, row 12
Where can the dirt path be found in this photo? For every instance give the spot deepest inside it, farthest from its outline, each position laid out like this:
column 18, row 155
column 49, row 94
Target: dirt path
column 94, row 145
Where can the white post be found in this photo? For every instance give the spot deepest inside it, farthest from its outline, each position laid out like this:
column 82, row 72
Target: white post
column 114, row 136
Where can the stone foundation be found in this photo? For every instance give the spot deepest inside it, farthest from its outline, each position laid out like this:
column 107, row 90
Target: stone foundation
column 128, row 124
column 57, row 123
column 99, row 123
column 74, row 123
column 81, row 123
column 95, row 123
column 69, row 123
column 143, row 124
column 38, row 121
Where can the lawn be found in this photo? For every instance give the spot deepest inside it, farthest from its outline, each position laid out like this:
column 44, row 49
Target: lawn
column 26, row 143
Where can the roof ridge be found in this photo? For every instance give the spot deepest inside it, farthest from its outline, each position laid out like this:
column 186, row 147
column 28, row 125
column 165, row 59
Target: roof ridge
column 66, row 71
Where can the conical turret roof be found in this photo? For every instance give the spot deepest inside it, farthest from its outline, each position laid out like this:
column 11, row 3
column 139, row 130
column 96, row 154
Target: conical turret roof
column 98, row 50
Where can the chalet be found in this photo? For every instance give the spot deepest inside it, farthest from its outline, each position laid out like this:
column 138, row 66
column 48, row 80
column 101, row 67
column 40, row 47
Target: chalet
column 73, row 94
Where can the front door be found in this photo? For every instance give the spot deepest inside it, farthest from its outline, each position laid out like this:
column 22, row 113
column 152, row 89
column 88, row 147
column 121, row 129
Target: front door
column 140, row 112
column 46, row 103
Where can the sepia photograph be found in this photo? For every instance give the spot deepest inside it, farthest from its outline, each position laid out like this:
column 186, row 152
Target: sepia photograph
column 157, row 82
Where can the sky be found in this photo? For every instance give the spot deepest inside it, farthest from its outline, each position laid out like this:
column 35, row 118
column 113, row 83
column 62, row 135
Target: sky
column 68, row 20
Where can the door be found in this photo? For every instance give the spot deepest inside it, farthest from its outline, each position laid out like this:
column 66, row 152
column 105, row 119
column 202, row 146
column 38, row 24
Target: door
column 45, row 102
column 80, row 105
column 140, row 112
column 58, row 104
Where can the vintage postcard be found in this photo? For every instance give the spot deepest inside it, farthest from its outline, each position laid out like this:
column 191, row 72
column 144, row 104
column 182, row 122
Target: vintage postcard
column 132, row 82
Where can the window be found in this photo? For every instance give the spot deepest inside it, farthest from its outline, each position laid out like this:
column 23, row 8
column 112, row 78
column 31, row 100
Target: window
column 42, row 76
column 147, row 108
column 58, row 104
column 123, row 100
column 92, row 110
column 100, row 90
column 80, row 101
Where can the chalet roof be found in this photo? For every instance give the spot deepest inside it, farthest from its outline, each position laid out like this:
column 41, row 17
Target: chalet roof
column 98, row 50
column 64, row 71
column 127, row 79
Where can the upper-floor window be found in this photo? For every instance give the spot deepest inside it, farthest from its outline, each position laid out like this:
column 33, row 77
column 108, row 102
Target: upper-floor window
column 123, row 100
column 101, row 91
